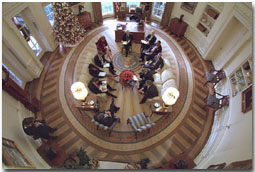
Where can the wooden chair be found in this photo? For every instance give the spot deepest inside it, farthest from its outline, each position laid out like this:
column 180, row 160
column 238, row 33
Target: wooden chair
column 217, row 103
column 123, row 48
column 140, row 122
column 214, row 76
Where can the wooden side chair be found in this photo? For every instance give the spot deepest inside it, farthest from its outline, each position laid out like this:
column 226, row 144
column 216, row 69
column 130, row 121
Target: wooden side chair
column 214, row 76
column 140, row 122
column 217, row 103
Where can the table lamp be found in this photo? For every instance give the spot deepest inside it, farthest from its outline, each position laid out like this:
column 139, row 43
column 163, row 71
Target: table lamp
column 170, row 96
column 79, row 91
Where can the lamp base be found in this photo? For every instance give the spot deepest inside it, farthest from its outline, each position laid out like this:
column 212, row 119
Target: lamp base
column 83, row 104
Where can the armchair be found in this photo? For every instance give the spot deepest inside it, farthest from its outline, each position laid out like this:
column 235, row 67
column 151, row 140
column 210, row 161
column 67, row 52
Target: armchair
column 140, row 122
column 214, row 76
column 106, row 127
column 217, row 103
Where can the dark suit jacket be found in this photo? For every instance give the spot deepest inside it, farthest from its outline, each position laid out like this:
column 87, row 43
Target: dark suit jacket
column 95, row 72
column 107, row 121
column 125, row 38
column 98, row 61
column 159, row 64
column 93, row 87
column 147, row 76
column 151, row 92
column 157, row 50
column 153, row 39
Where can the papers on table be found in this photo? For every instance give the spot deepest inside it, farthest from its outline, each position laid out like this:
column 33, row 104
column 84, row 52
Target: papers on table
column 124, row 42
column 144, row 42
column 102, row 74
column 135, row 78
column 106, row 65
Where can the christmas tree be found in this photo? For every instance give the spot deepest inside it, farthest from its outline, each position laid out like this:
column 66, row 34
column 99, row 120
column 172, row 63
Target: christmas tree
column 67, row 29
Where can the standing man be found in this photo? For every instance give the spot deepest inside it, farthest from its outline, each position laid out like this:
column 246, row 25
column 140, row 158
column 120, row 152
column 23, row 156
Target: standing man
column 127, row 39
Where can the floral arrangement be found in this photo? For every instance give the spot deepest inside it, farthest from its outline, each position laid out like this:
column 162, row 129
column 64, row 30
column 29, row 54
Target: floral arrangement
column 127, row 75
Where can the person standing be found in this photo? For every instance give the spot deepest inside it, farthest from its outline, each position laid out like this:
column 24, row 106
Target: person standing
column 37, row 128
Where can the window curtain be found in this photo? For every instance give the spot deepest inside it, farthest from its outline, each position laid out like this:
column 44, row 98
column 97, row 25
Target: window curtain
column 150, row 11
column 97, row 10
column 167, row 14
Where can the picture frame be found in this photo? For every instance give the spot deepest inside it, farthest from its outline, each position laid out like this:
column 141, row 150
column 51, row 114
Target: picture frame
column 13, row 157
column 189, row 6
column 247, row 99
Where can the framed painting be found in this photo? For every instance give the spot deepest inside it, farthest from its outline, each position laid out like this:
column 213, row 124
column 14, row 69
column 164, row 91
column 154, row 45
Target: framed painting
column 123, row 6
column 13, row 157
column 189, row 6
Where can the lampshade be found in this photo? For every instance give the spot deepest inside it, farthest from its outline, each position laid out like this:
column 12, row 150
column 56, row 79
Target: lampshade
column 170, row 95
column 79, row 91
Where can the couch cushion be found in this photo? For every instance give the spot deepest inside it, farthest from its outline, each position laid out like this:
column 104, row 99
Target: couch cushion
column 167, row 84
column 166, row 75
column 157, row 78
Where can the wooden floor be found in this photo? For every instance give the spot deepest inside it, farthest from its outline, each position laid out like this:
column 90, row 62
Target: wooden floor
column 189, row 137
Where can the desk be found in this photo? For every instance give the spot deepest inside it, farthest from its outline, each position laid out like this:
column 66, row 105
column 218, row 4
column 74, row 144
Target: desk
column 88, row 107
column 134, row 29
column 60, row 157
column 160, row 110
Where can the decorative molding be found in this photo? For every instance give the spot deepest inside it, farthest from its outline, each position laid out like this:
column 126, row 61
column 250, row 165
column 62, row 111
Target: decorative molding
column 244, row 13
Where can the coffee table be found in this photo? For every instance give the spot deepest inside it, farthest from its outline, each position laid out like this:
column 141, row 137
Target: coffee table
column 125, row 77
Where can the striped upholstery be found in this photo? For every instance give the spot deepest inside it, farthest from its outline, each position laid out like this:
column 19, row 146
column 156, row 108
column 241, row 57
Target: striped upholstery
column 140, row 122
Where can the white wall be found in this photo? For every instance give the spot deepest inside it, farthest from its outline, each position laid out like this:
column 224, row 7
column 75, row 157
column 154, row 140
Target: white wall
column 13, row 113
column 234, row 143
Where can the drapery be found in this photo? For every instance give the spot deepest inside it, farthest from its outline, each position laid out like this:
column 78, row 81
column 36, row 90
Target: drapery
column 97, row 10
column 167, row 14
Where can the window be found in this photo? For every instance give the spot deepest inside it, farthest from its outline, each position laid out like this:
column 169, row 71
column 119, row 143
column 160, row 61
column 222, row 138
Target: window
column 137, row 4
column 13, row 76
column 25, row 32
column 107, row 8
column 50, row 13
column 158, row 9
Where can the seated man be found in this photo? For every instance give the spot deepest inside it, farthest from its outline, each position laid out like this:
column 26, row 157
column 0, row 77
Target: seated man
column 150, row 41
column 149, row 90
column 100, row 61
column 37, row 128
column 156, row 63
column 145, row 74
column 99, row 87
column 96, row 72
column 127, row 39
column 102, row 45
column 107, row 117
column 151, row 52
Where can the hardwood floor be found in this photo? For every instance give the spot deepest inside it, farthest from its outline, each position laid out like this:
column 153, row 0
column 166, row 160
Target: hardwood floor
column 190, row 136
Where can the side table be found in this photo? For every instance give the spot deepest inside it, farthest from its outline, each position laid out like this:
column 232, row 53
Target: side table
column 89, row 105
column 161, row 109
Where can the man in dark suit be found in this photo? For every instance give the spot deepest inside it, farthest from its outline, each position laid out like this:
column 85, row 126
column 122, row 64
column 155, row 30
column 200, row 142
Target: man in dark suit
column 145, row 74
column 156, row 63
column 151, row 52
column 95, row 86
column 37, row 128
column 107, row 118
column 151, row 39
column 100, row 61
column 149, row 90
column 127, row 39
